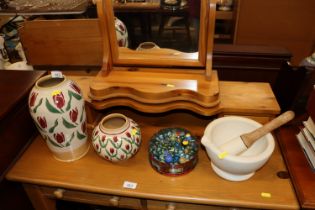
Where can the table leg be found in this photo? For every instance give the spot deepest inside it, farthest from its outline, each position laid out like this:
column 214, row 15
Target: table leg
column 38, row 199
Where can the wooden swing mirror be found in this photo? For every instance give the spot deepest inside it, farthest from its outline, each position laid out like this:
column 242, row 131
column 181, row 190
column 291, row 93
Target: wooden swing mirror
column 156, row 80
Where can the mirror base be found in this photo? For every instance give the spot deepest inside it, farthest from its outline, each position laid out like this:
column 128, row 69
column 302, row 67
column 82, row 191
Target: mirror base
column 156, row 91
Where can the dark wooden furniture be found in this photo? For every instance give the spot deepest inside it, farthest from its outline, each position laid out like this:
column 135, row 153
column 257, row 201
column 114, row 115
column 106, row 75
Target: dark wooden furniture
column 16, row 130
column 302, row 176
column 249, row 63
column 270, row 64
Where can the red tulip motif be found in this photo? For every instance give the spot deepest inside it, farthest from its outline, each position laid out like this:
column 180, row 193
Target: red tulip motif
column 59, row 137
column 121, row 43
column 121, row 27
column 74, row 114
column 59, row 100
column 76, row 88
column 135, row 150
column 83, row 127
column 95, row 134
column 33, row 99
column 128, row 134
column 42, row 122
column 115, row 139
column 103, row 138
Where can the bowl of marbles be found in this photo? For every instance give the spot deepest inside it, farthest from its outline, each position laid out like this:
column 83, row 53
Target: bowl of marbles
column 173, row 151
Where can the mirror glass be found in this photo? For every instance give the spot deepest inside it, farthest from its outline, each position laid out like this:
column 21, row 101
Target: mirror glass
column 170, row 24
column 158, row 32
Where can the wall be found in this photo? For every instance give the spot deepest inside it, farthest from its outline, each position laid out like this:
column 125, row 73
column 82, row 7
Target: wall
column 287, row 23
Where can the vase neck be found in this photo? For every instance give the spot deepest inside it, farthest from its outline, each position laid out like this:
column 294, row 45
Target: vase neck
column 49, row 82
column 114, row 124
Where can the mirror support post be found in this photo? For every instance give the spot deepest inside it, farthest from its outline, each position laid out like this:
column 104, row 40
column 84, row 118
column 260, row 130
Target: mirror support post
column 107, row 62
column 210, row 35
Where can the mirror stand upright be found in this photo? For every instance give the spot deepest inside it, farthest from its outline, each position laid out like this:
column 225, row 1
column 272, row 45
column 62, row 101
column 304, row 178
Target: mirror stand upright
column 156, row 80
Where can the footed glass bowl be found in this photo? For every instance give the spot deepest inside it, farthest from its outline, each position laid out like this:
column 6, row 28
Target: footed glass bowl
column 173, row 151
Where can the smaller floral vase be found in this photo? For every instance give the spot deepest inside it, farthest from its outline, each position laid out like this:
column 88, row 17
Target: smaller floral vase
column 116, row 137
column 57, row 108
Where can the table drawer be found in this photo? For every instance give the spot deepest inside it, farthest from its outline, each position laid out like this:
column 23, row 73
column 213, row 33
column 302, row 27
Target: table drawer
column 166, row 205
column 92, row 198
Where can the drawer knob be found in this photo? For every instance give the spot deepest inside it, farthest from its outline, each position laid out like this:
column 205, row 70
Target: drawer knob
column 59, row 193
column 171, row 206
column 114, row 201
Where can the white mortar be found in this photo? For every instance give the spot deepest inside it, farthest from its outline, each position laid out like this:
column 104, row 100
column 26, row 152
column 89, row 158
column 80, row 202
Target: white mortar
column 243, row 166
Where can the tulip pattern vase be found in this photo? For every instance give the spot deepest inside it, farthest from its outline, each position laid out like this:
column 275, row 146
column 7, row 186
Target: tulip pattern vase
column 116, row 137
column 57, row 108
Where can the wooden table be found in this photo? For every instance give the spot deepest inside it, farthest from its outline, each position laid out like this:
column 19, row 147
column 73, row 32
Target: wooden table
column 94, row 180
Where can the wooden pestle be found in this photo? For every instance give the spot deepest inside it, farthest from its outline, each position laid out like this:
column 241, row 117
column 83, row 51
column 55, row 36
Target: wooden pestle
column 239, row 144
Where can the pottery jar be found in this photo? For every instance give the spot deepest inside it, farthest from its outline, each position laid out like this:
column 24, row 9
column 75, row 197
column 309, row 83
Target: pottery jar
column 147, row 46
column 116, row 137
column 121, row 33
column 57, row 108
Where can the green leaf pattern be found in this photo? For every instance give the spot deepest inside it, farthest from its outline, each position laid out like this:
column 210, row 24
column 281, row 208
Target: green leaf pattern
column 51, row 130
column 38, row 105
column 67, row 124
column 80, row 136
column 51, row 108
column 69, row 142
column 69, row 102
column 75, row 95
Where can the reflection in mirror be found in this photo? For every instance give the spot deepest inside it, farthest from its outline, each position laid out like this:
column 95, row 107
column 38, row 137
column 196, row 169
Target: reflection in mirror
column 150, row 24
column 172, row 24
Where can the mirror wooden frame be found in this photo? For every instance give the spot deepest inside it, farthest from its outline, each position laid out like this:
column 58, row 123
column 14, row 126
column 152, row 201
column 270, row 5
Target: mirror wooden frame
column 121, row 56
